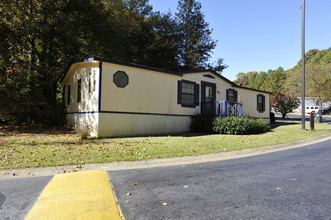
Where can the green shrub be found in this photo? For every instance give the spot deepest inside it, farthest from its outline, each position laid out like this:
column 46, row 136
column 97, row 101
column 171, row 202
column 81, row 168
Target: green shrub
column 202, row 124
column 239, row 125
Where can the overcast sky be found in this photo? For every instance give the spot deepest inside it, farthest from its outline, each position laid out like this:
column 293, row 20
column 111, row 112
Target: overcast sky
column 258, row 35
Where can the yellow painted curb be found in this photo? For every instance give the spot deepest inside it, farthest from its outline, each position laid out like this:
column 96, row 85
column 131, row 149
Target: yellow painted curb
column 81, row 195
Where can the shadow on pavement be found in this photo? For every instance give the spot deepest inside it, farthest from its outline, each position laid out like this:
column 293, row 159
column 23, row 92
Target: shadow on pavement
column 281, row 123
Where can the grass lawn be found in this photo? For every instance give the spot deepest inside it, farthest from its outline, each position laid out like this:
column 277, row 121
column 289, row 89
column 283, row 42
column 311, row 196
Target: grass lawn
column 39, row 148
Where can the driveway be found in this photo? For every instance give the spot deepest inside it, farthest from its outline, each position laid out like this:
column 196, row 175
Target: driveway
column 325, row 119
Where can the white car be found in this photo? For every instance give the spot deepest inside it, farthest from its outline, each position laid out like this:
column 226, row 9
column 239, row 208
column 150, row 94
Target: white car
column 313, row 109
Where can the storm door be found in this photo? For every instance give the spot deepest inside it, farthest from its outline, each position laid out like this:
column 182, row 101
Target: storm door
column 208, row 98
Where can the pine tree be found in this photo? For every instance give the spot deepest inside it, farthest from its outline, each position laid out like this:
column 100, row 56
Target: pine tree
column 196, row 42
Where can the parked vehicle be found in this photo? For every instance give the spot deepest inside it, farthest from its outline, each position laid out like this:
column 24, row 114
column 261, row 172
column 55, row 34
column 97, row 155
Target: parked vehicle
column 326, row 111
column 313, row 109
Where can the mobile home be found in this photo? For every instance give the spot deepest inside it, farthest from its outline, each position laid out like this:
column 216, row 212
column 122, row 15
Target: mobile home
column 113, row 98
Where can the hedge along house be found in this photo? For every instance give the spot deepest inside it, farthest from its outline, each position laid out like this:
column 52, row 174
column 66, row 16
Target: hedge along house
column 112, row 98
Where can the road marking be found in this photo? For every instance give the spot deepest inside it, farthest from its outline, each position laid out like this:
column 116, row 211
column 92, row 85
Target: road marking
column 80, row 195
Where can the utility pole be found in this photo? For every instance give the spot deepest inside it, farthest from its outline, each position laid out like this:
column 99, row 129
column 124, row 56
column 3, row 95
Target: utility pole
column 303, row 98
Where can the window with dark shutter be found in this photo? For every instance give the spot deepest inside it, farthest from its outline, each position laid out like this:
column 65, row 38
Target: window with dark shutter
column 260, row 103
column 188, row 93
column 89, row 83
column 68, row 95
column 79, row 90
column 231, row 95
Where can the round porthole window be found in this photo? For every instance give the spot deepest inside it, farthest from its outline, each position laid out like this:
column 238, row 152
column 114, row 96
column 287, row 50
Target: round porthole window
column 120, row 79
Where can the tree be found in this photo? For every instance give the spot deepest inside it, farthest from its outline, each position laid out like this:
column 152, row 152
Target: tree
column 318, row 75
column 40, row 39
column 284, row 103
column 158, row 42
column 217, row 66
column 252, row 80
column 276, row 81
column 196, row 43
column 272, row 81
column 242, row 79
column 318, row 81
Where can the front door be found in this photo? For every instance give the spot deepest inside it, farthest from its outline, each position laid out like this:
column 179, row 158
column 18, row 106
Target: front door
column 208, row 97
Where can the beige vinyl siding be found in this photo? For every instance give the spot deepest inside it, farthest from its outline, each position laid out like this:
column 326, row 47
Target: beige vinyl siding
column 147, row 92
column 116, row 124
column 89, row 100
column 84, row 121
column 249, row 100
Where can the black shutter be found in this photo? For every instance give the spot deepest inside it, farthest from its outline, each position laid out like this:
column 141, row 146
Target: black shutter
column 197, row 88
column 179, row 92
column 227, row 95
column 263, row 103
column 203, row 92
column 79, row 90
column 68, row 97
column 214, row 93
column 257, row 103
column 235, row 96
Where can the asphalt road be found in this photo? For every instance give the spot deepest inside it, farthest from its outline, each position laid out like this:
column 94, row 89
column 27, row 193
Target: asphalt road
column 291, row 184
column 325, row 119
column 17, row 196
